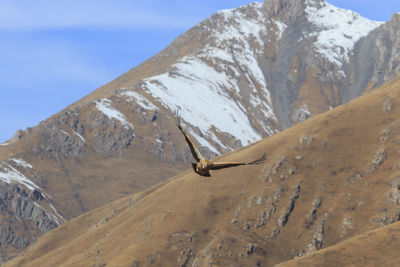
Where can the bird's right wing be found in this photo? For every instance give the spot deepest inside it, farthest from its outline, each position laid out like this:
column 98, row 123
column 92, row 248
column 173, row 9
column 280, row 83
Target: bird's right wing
column 222, row 165
column 195, row 152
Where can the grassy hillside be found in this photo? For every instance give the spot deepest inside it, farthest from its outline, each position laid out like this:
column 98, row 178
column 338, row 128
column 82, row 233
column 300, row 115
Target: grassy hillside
column 325, row 183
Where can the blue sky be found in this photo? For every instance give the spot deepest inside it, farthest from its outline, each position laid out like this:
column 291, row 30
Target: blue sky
column 54, row 52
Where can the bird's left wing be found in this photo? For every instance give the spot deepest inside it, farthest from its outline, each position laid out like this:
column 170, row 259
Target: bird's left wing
column 222, row 165
column 195, row 152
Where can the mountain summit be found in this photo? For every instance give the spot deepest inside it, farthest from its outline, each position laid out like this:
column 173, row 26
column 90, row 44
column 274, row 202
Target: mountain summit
column 237, row 77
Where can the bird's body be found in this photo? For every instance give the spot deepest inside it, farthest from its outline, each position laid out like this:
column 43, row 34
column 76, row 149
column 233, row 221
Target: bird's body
column 203, row 165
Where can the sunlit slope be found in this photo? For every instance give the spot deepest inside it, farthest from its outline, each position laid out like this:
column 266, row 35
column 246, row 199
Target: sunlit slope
column 326, row 180
column 379, row 247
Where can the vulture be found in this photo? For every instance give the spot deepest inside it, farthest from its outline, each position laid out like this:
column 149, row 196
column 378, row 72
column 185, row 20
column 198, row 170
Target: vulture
column 203, row 165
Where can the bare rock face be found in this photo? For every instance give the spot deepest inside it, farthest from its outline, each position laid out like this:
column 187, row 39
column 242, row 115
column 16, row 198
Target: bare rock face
column 19, row 208
column 376, row 58
column 55, row 142
column 286, row 9
column 109, row 137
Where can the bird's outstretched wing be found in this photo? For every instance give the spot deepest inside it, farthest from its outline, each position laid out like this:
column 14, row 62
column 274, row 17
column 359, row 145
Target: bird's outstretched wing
column 195, row 152
column 222, row 165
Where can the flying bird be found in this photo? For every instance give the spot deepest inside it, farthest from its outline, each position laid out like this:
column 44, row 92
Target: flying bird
column 203, row 165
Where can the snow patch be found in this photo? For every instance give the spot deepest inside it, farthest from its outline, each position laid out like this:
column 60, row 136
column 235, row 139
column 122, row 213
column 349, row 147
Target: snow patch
column 281, row 28
column 64, row 132
column 218, row 141
column 22, row 163
column 204, row 142
column 339, row 30
column 80, row 136
column 4, row 144
column 105, row 106
column 305, row 109
column 56, row 212
column 141, row 100
column 11, row 175
column 200, row 91
column 240, row 25
column 53, row 217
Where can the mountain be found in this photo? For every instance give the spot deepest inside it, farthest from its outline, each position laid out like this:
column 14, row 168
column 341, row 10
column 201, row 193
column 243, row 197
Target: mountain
column 240, row 76
column 330, row 187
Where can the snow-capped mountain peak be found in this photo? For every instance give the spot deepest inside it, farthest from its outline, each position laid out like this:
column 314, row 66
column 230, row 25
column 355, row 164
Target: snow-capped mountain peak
column 337, row 30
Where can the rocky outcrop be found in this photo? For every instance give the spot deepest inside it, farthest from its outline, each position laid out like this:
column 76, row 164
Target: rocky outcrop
column 110, row 137
column 375, row 59
column 318, row 236
column 61, row 137
column 20, row 212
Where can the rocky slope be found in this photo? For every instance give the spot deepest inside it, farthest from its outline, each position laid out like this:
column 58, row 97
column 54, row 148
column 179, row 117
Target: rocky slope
column 328, row 185
column 237, row 77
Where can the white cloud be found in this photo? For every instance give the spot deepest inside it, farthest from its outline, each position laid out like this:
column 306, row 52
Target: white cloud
column 46, row 14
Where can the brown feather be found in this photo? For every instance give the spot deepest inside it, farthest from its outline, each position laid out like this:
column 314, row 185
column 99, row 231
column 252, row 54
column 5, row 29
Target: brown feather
column 193, row 149
column 222, row 165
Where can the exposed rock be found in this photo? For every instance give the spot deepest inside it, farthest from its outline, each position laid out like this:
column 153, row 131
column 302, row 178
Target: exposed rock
column 284, row 217
column 283, row 177
column 387, row 218
column 260, row 198
column 61, row 137
column 300, row 115
column 186, row 257
column 246, row 226
column 278, row 193
column 154, row 147
column 393, row 196
column 251, row 249
column 275, row 232
column 354, row 178
column 110, row 137
column 299, row 157
column 306, row 140
column 17, row 204
column 317, row 202
column 262, row 219
column 383, row 137
column 318, row 236
column 387, row 104
column 380, row 157
column 250, row 202
column 55, row 143
column 236, row 214
column 346, row 225
column 312, row 214
column 278, row 165
column 325, row 144
column 291, row 170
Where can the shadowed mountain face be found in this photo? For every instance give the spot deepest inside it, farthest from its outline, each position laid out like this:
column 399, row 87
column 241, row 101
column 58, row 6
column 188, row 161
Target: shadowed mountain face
column 237, row 77
column 326, row 181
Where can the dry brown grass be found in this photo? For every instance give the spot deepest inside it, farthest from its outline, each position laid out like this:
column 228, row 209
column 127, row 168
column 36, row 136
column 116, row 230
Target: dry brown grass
column 192, row 219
